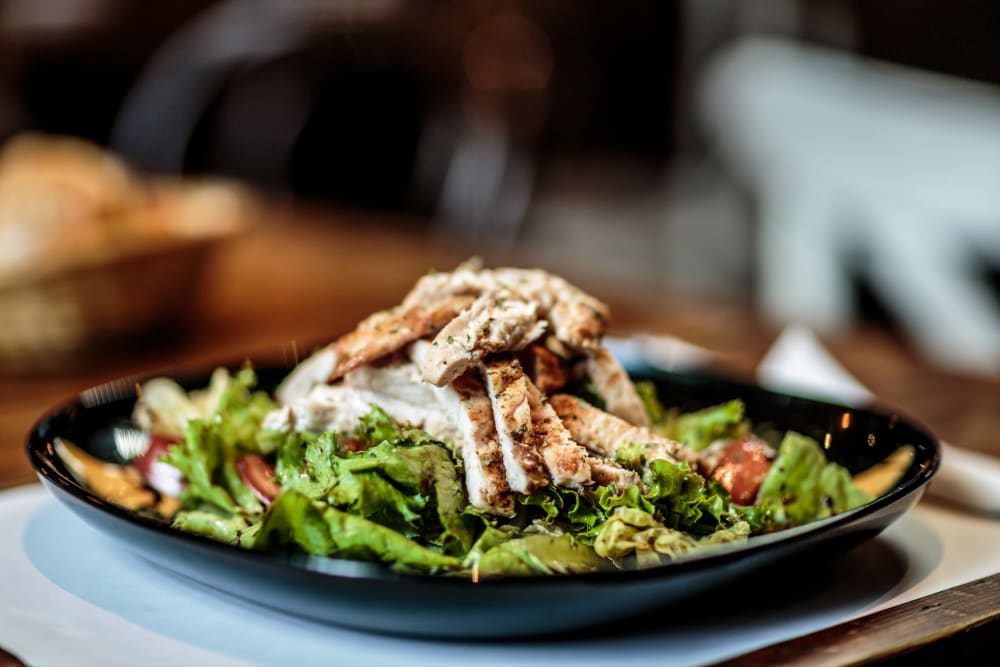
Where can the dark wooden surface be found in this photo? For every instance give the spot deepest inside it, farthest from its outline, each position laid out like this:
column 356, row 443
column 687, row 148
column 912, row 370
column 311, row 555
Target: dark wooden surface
column 904, row 632
column 302, row 278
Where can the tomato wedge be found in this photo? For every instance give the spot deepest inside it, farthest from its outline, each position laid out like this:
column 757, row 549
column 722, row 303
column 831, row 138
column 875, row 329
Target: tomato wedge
column 258, row 474
column 742, row 466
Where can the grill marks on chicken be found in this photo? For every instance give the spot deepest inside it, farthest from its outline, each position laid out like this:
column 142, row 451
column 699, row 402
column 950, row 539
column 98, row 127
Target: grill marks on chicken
column 615, row 387
column 508, row 390
column 390, row 330
column 466, row 402
column 472, row 357
column 604, row 433
column 568, row 463
column 577, row 319
column 545, row 368
column 474, row 312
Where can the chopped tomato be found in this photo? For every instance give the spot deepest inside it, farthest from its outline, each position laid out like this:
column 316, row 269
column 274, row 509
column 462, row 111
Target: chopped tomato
column 352, row 444
column 742, row 466
column 258, row 474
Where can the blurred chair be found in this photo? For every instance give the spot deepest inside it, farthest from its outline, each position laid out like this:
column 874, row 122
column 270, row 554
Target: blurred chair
column 709, row 227
column 861, row 168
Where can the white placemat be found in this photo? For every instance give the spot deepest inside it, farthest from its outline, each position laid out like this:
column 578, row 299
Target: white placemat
column 72, row 596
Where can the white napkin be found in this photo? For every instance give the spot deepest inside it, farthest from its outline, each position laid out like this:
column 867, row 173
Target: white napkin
column 797, row 363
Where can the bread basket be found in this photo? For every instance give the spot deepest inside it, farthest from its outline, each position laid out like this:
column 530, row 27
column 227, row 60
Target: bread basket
column 92, row 255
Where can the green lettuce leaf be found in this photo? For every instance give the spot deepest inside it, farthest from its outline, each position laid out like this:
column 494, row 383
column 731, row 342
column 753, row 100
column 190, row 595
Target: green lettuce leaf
column 210, row 446
column 566, row 508
column 377, row 427
column 207, row 462
column 404, row 480
column 355, row 537
column 489, row 538
column 802, row 486
column 326, row 531
column 307, row 463
column 241, row 411
column 539, row 554
column 294, row 518
column 435, row 469
column 633, row 532
column 697, row 430
column 632, row 455
column 681, row 504
column 685, row 500
column 372, row 496
column 224, row 527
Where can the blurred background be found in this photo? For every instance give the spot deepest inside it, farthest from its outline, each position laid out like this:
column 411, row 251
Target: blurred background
column 827, row 162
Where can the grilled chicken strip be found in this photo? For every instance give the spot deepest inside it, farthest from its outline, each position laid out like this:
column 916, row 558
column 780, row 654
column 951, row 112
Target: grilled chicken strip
column 508, row 391
column 467, row 404
column 468, row 407
column 466, row 280
column 615, row 387
column 496, row 322
column 605, row 473
column 567, row 462
column 604, row 433
column 578, row 319
column 543, row 367
column 390, row 330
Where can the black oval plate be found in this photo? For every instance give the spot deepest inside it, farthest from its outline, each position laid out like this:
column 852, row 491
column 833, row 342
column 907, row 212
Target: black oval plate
column 370, row 597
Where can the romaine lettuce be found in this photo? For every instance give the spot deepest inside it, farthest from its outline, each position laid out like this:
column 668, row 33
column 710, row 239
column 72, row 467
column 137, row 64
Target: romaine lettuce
column 802, row 486
column 322, row 530
column 633, row 532
column 206, row 455
column 539, row 554
column 697, row 430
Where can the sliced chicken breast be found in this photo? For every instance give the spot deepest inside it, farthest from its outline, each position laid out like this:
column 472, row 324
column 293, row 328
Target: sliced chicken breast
column 615, row 387
column 577, row 318
column 568, row 463
column 604, row 433
column 468, row 406
column 312, row 371
column 390, row 330
column 399, row 380
column 606, row 473
column 339, row 407
column 468, row 279
column 508, row 392
column 545, row 369
column 497, row 322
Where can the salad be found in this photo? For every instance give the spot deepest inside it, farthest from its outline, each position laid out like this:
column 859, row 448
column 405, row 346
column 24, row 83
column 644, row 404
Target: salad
column 478, row 429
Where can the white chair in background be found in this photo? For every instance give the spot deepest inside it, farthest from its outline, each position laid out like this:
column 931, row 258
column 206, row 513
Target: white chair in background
column 865, row 168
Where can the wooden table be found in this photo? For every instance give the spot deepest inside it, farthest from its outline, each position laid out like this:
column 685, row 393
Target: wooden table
column 303, row 277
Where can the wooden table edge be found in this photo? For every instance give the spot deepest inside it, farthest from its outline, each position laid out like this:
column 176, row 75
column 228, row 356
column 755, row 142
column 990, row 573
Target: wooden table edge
column 887, row 633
